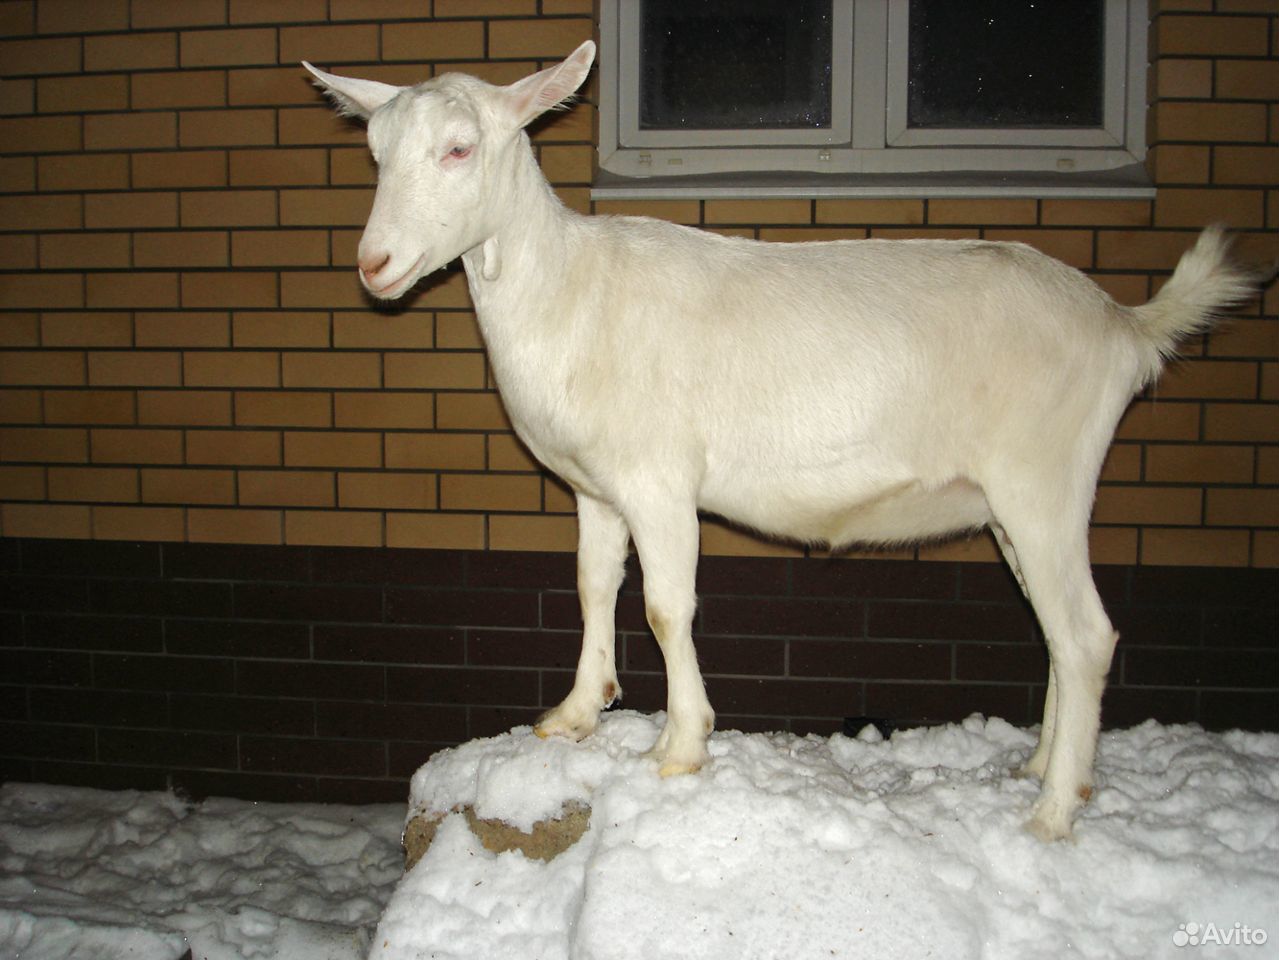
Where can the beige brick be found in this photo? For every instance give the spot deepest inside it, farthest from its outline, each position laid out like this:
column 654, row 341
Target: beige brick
column 524, row 532
column 82, row 94
column 472, row 411
column 435, row 451
column 131, row 290
column 557, row 497
column 332, row 369
column 41, row 368
column 41, row 134
column 188, row 328
column 435, row 531
column 1215, row 122
column 1198, row 463
column 86, row 329
column 188, row 485
column 537, row 38
column 1268, row 465
column 81, row 16
column 365, row 329
column 1122, row 463
column 88, row 406
column 109, row 445
column 870, row 211
column 1210, row 548
column 278, row 11
column 758, row 211
column 1247, row 79
column 278, row 167
column 233, row 47
column 385, row 410
column 982, row 211
column 153, row 14
column 247, row 448
column 51, row 291
column 280, row 329
column 58, row 521
column 44, row 444
column 330, row 44
column 490, row 492
column 132, row 210
column 810, row 234
column 234, row 526
column 270, row 86
column 62, row 251
column 343, row 528
column 26, row 57
column 231, row 288
column 719, row 539
column 925, row 233
column 444, row 371
column 332, row 448
column 386, row 491
column 1211, row 36
column 131, row 51
column 130, row 131
column 186, row 248
column 274, row 409
column 325, row 207
column 139, row 523
column 484, row 8
column 184, row 408
column 283, row 248
column 135, row 368
column 1146, row 420
column 228, row 208
column 287, row 488
column 41, row 213
column 445, row 40
column 83, row 172
column 231, row 368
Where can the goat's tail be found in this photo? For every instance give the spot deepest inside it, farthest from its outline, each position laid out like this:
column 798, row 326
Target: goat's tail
column 1207, row 280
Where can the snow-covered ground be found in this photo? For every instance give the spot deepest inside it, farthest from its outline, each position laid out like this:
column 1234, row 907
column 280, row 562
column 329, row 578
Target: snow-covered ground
column 783, row 847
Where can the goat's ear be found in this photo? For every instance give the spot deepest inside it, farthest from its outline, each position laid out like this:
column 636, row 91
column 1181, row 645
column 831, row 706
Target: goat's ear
column 354, row 97
column 533, row 96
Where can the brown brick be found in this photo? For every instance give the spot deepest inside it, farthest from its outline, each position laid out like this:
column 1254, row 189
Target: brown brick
column 131, row 51
column 84, row 171
column 1180, row 163
column 184, row 408
column 26, row 57
column 439, row 531
column 537, row 38
column 573, row 164
column 1215, row 379
column 278, row 167
column 41, row 213
column 231, row 368
column 179, row 88
column 18, row 18
column 229, row 208
column 20, row 406
column 490, row 492
column 287, row 488
column 344, row 247
column 131, row 290
column 139, row 523
column 457, row 331
column 234, row 526
column 1160, row 421
column 455, row 40
column 17, row 175
column 1198, row 463
column 234, row 47
column 188, row 486
column 332, row 448
column 332, row 369
column 190, row 168
column 1246, row 165
column 279, row 11
column 324, row 289
column 295, row 329
column 376, row 9
column 95, row 329
column 329, row 44
column 870, row 211
column 61, row 251
column 342, row 528
column 1191, row 208
column 506, row 452
column 1215, row 122
column 326, row 207
column 230, row 288
column 273, row 409
column 81, row 16
column 130, row 131
column 40, row 134
column 1211, row 36
column 352, row 165
column 18, row 251
column 140, row 210
column 1088, row 213
column 758, row 211
column 184, row 248
column 21, row 330
column 280, row 248
column 435, row 451
column 82, row 94
column 17, row 96
column 152, row 14
column 108, row 445
column 535, row 533
column 1141, row 249
column 312, row 125
column 444, row 290
column 385, row 410
column 1183, row 79
column 361, row 329
column 1255, row 422
column 1073, row 247
column 135, row 368
column 51, row 291
column 1180, row 506
column 42, row 368
column 249, row 448
column 46, row 520
column 44, row 444
column 1213, row 548
column 270, row 86
column 1243, row 507
column 444, row 371
column 88, row 406
column 1240, row 337
column 386, row 491
column 226, row 128
column 22, row 483
column 1247, row 79
column 484, row 8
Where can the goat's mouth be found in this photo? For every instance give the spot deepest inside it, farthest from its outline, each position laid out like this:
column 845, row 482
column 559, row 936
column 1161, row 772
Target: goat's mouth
column 400, row 285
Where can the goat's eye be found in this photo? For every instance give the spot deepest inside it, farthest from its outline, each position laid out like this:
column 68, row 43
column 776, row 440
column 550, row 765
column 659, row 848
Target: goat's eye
column 459, row 152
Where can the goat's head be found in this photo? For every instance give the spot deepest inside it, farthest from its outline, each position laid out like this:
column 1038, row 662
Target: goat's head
column 444, row 150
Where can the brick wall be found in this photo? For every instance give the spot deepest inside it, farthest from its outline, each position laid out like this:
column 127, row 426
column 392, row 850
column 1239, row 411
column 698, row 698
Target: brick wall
column 185, row 353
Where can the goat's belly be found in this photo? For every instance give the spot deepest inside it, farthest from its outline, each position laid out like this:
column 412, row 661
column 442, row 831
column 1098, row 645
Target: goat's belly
column 894, row 513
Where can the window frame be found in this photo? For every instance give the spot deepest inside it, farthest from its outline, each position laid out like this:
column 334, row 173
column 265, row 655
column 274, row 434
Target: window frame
column 869, row 151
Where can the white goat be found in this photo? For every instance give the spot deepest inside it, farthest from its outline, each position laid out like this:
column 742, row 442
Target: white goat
column 853, row 391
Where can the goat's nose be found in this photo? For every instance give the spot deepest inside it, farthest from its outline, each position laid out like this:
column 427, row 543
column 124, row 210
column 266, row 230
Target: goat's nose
column 372, row 264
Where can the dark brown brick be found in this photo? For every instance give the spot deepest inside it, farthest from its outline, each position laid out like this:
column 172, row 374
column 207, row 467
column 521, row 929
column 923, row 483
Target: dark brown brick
column 910, row 704
column 179, row 674
column 1010, row 662
column 481, row 608
column 870, row 659
column 99, row 707
column 160, row 598
column 390, row 721
column 46, row 741
column 91, row 558
column 523, row 648
column 237, row 638
column 216, row 561
column 46, row 668
column 782, row 616
column 242, row 714
column 1201, row 668
column 74, row 632
column 167, row 747
column 877, row 579
column 451, row 685
column 371, row 643
column 330, row 757
column 343, row 604
column 944, row 621
column 320, row 681
column 409, row 567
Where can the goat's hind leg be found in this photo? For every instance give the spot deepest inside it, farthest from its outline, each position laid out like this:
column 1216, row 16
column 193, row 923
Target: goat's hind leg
column 601, row 566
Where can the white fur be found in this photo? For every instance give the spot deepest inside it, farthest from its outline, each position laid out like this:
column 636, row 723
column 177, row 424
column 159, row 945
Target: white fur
column 859, row 391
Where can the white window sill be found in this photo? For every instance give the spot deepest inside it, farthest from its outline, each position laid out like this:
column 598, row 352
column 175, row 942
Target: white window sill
column 1126, row 183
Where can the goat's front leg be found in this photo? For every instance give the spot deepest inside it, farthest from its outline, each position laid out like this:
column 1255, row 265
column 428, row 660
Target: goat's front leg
column 666, row 540
column 601, row 565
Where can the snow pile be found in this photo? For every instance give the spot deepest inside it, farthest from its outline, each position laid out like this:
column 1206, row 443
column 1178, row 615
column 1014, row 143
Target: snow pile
column 787, row 847
column 93, row 875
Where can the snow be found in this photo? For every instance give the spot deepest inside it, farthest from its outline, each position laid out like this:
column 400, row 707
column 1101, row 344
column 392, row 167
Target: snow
column 782, row 847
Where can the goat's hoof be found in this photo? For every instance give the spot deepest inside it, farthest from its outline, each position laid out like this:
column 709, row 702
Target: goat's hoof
column 1026, row 772
column 553, row 723
column 674, row 768
column 1050, row 823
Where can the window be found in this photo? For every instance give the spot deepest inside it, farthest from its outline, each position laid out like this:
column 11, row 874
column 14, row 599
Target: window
column 873, row 97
